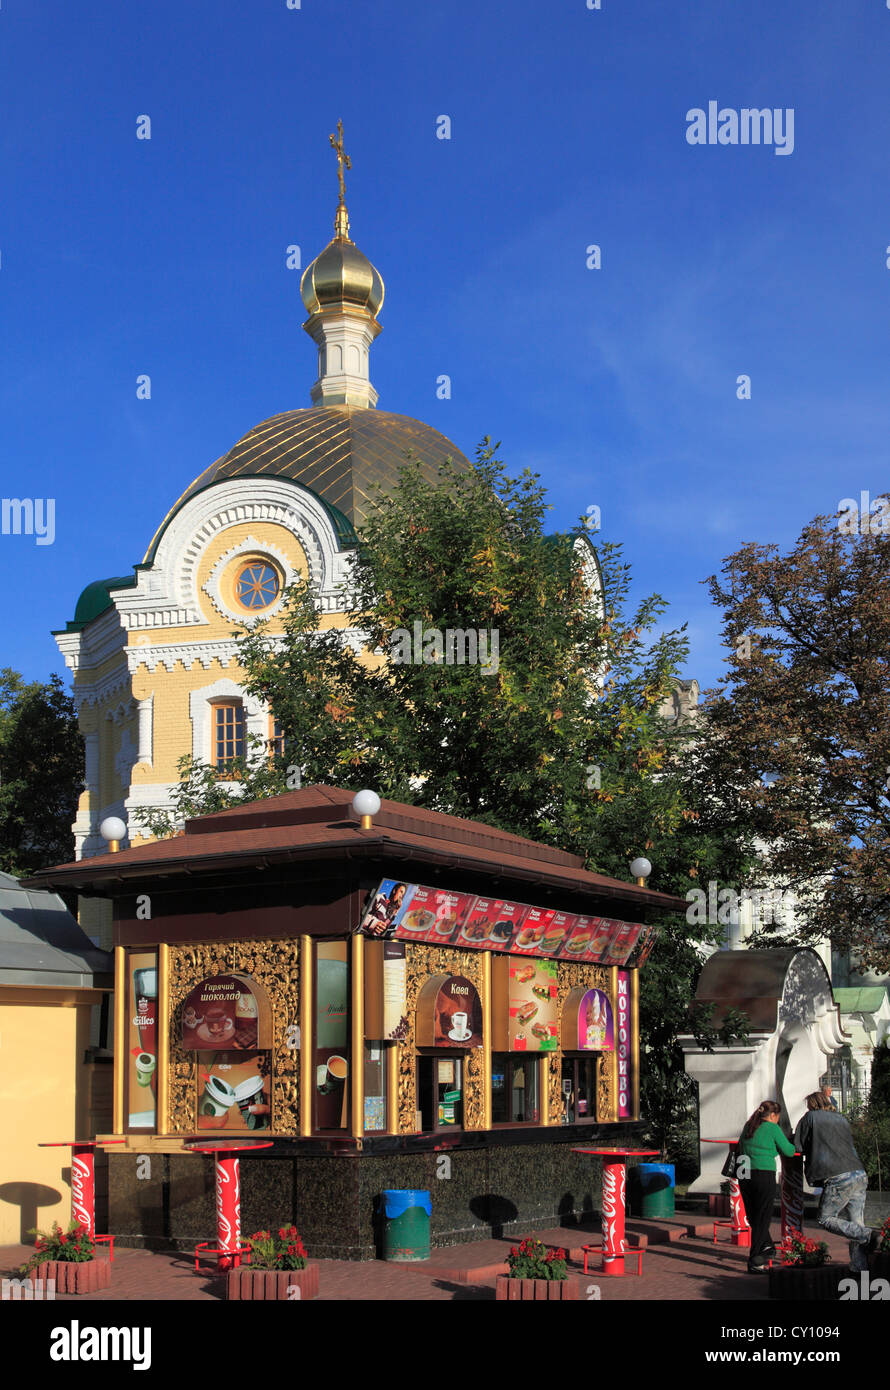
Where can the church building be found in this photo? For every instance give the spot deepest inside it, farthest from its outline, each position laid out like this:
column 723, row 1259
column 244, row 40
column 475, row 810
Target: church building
column 154, row 662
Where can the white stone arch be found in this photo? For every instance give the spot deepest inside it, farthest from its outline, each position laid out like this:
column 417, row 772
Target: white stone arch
column 166, row 593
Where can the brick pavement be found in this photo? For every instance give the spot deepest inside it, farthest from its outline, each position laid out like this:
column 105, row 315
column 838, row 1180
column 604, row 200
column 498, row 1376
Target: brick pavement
column 677, row 1265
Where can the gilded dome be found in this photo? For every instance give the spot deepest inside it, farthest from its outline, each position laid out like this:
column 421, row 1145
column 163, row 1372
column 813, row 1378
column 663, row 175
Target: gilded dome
column 338, row 452
column 341, row 274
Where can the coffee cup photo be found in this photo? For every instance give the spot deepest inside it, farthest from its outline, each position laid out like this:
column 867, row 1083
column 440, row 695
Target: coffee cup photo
column 145, row 1065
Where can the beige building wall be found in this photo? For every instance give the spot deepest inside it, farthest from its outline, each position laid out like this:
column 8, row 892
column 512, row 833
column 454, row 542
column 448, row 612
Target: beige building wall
column 44, row 1097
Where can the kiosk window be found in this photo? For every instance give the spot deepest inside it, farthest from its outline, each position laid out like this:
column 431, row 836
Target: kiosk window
column 375, row 1087
column 331, row 1057
column 440, row 1092
column 515, row 1089
column 579, row 1089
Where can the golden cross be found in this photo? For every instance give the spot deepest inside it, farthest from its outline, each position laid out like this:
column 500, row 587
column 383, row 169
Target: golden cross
column 342, row 158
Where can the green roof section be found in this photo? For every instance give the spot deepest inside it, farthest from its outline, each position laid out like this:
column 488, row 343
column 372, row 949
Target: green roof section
column 866, row 999
column 96, row 599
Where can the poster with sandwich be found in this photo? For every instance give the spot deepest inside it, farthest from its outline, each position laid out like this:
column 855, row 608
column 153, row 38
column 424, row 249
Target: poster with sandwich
column 533, row 1006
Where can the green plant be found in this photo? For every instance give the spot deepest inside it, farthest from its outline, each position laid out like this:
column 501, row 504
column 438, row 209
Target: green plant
column 71, row 1246
column 282, row 1251
column 884, row 1238
column 871, row 1135
column 531, row 1259
column 797, row 1250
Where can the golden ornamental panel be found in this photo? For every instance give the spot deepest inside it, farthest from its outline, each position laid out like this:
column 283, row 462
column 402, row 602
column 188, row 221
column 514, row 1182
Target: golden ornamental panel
column 276, row 966
column 422, row 962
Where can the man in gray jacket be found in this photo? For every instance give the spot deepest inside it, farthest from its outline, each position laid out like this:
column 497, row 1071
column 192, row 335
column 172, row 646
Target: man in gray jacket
column 824, row 1138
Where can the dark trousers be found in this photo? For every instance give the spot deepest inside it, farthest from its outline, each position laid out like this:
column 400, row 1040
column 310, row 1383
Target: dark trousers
column 759, row 1196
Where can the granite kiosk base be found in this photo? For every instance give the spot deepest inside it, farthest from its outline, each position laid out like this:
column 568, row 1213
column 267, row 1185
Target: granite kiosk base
column 507, row 1182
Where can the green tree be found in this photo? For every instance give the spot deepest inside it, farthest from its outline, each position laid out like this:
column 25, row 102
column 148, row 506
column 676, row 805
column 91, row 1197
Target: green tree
column 797, row 735
column 41, row 773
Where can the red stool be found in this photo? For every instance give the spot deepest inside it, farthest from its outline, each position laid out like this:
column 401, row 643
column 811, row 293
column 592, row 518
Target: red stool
column 742, row 1239
column 207, row 1247
column 636, row 1254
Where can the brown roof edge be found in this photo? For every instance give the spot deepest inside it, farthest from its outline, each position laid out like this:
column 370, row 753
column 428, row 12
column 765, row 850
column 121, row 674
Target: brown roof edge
column 108, row 869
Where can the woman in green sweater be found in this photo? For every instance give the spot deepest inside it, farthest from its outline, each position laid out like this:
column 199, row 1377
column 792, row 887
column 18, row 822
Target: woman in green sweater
column 760, row 1143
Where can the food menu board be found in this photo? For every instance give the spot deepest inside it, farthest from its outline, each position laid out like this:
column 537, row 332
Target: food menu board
column 492, row 923
column 413, row 912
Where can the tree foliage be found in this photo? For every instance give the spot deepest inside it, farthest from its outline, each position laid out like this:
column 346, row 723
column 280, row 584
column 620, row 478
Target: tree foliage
column 806, row 702
column 41, row 773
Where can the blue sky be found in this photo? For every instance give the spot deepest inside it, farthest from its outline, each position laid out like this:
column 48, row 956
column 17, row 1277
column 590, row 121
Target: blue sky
column 120, row 257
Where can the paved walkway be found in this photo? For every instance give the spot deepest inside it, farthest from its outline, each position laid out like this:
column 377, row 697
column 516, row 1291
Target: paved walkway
column 680, row 1262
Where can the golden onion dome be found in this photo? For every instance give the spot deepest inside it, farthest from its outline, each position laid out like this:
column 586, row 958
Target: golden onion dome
column 342, row 274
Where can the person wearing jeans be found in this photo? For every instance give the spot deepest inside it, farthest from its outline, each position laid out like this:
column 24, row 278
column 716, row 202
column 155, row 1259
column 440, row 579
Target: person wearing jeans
column 824, row 1138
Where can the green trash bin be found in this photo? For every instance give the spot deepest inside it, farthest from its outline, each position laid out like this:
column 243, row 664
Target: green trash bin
column 406, row 1225
column 656, row 1187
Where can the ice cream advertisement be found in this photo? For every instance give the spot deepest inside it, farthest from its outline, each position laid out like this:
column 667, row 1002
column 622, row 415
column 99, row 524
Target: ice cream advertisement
column 596, row 1029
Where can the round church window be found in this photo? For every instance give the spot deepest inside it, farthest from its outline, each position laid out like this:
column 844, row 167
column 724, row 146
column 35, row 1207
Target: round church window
column 257, row 585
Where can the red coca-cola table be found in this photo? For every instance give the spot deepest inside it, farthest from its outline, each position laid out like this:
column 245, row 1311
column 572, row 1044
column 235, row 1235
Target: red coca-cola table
column 83, row 1182
column 614, row 1179
column 740, row 1231
column 228, row 1248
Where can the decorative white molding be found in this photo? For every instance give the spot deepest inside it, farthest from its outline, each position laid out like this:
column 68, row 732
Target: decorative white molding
column 145, row 714
column 213, row 588
column 126, row 757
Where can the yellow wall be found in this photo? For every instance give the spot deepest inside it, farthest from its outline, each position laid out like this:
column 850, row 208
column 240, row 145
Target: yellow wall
column 43, row 1097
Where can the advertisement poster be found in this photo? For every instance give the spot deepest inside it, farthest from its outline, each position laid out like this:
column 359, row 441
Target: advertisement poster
column 388, row 906
column 596, row 1031
column 533, row 1024
column 531, row 934
column 395, row 992
column 624, row 938
column 234, row 1091
column 579, row 935
column 556, row 931
column 458, row 1015
column 413, row 912
column 433, row 914
column 224, row 1011
column 142, row 1051
column 331, row 1035
column 622, row 1046
column 492, row 923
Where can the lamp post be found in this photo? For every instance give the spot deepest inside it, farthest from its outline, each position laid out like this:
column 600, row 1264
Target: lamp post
column 113, row 829
column 641, row 869
column 366, row 804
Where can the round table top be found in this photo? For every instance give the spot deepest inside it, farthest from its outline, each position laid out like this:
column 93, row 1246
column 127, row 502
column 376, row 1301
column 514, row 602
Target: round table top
column 720, row 1141
column 80, row 1143
column 224, row 1146
column 620, row 1153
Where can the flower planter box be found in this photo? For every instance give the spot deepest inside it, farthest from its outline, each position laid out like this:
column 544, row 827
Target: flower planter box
column 73, row 1276
column 719, row 1204
column 539, row 1290
column 269, row 1284
column 801, row 1284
